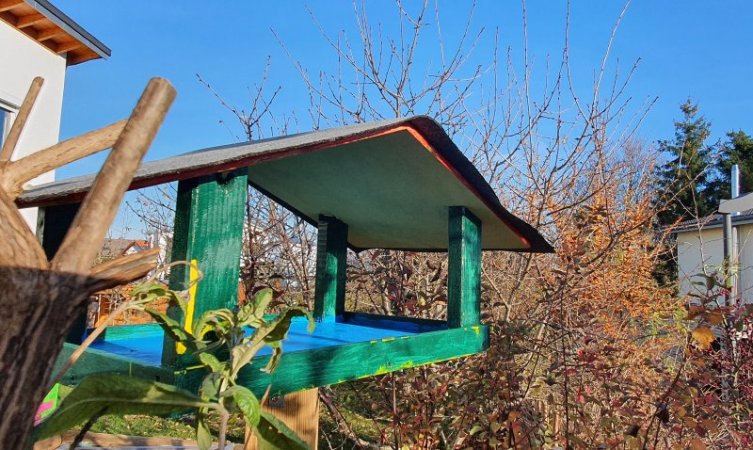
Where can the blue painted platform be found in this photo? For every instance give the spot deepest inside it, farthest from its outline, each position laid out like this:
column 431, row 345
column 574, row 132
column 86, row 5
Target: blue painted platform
column 144, row 342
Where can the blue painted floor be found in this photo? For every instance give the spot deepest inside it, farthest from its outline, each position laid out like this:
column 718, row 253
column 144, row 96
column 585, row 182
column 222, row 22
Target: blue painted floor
column 144, row 342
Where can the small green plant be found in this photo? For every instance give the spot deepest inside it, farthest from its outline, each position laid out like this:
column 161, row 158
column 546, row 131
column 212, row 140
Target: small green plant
column 223, row 341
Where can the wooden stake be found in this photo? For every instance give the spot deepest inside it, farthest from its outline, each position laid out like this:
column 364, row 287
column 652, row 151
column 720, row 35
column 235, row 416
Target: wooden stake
column 38, row 305
column 19, row 172
column 122, row 270
column 98, row 210
column 18, row 125
column 18, row 247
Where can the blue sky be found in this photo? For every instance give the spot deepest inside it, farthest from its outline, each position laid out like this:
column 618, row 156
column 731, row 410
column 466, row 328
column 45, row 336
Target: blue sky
column 698, row 49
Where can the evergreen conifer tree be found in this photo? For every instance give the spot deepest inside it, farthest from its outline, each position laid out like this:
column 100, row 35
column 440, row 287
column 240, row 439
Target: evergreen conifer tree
column 683, row 182
column 737, row 150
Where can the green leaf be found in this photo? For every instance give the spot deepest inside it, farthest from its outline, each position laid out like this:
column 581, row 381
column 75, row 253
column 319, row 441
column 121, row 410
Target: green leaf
column 203, row 435
column 269, row 334
column 120, row 394
column 274, row 435
column 246, row 402
column 173, row 328
column 149, row 291
column 219, row 321
column 242, row 355
column 210, row 387
column 274, row 360
column 277, row 330
column 211, row 361
column 261, row 301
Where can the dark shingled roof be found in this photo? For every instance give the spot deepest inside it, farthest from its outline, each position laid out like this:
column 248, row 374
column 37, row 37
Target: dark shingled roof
column 355, row 163
column 713, row 221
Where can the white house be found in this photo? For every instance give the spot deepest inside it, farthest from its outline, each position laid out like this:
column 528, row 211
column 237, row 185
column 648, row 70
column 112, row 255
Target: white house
column 700, row 249
column 37, row 39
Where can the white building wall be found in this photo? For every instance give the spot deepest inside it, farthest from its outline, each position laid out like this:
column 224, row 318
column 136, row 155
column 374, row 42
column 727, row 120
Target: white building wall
column 698, row 252
column 703, row 252
column 745, row 261
column 22, row 59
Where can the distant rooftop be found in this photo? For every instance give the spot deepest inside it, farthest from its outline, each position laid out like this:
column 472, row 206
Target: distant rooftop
column 50, row 27
column 713, row 221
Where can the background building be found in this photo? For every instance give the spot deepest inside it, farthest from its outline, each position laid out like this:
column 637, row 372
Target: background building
column 37, row 39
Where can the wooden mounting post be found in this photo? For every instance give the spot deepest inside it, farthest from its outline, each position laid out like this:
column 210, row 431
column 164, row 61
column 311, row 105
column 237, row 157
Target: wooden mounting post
column 464, row 269
column 331, row 263
column 209, row 217
column 299, row 411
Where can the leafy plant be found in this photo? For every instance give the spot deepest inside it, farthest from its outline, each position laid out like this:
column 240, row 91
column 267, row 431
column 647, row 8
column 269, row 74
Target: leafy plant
column 223, row 341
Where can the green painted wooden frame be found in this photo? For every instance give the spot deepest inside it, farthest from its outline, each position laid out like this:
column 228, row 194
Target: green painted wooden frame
column 302, row 369
column 209, row 217
column 209, row 230
column 332, row 365
column 201, row 233
column 464, row 269
column 331, row 265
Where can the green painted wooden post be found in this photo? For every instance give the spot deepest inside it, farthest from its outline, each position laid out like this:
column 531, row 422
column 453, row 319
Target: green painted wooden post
column 331, row 262
column 464, row 269
column 52, row 225
column 209, row 217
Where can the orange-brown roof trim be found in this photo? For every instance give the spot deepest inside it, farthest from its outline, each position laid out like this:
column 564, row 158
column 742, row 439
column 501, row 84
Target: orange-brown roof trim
column 51, row 28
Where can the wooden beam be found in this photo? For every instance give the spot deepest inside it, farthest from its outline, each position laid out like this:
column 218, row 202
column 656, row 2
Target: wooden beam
column 331, row 365
column 108, row 440
column 29, row 20
column 59, row 154
column 303, row 369
column 81, row 55
column 464, row 268
column 6, row 5
column 11, row 140
column 209, row 217
column 50, row 33
column 84, row 239
column 331, row 264
column 67, row 46
column 97, row 361
column 299, row 411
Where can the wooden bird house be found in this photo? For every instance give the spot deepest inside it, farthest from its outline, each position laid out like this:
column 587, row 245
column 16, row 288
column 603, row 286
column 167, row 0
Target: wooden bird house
column 399, row 184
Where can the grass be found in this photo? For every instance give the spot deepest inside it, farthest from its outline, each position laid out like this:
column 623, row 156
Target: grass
column 182, row 427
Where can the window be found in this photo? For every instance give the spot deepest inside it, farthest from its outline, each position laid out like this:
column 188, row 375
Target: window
column 5, row 116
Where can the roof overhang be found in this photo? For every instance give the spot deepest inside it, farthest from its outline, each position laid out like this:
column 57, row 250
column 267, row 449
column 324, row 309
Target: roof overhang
column 710, row 223
column 51, row 28
column 391, row 182
column 392, row 189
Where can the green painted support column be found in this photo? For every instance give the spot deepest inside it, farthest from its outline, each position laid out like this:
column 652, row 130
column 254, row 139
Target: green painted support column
column 464, row 269
column 209, row 217
column 331, row 262
column 52, row 225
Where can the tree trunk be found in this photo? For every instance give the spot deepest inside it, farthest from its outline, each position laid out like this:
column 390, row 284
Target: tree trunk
column 36, row 311
column 40, row 299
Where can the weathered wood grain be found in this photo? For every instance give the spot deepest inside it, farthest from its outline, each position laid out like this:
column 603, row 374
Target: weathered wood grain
column 40, row 299
column 59, row 154
column 332, row 365
column 83, row 241
column 331, row 264
column 464, row 269
column 14, row 134
column 209, row 229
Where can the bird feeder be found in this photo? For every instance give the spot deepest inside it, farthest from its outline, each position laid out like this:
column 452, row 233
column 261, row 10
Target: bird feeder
column 399, row 184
